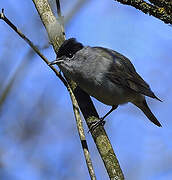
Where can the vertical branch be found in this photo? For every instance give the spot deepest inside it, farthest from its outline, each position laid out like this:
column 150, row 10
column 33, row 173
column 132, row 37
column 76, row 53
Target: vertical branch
column 61, row 18
column 99, row 135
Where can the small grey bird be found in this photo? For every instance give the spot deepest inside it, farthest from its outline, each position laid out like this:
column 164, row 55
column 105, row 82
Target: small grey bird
column 106, row 75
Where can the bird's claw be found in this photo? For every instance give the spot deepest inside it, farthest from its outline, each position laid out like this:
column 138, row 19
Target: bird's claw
column 95, row 124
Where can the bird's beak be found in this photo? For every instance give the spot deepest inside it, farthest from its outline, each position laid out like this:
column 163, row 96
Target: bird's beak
column 57, row 61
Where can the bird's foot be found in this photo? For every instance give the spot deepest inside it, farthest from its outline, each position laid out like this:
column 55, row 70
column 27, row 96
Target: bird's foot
column 95, row 124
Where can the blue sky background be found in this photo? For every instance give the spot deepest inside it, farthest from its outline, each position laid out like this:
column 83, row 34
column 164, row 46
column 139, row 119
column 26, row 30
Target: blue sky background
column 38, row 135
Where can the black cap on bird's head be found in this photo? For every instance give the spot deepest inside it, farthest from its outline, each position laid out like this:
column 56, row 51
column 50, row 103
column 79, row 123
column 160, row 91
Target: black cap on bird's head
column 69, row 48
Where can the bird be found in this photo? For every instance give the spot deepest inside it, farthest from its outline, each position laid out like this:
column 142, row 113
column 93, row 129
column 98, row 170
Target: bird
column 105, row 75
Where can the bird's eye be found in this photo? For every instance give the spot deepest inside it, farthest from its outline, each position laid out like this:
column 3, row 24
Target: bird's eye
column 70, row 55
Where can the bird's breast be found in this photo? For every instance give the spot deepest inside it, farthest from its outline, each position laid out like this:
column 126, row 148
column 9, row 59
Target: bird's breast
column 103, row 89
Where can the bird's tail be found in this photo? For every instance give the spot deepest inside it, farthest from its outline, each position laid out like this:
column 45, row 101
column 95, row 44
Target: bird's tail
column 144, row 107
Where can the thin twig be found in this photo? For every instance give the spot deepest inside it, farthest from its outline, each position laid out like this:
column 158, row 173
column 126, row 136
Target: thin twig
column 61, row 18
column 58, row 8
column 82, row 135
column 75, row 105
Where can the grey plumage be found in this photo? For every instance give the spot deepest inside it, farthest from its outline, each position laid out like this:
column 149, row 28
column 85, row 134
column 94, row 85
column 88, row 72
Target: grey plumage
column 105, row 74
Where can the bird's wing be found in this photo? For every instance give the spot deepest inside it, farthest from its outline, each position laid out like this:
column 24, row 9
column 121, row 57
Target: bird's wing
column 123, row 73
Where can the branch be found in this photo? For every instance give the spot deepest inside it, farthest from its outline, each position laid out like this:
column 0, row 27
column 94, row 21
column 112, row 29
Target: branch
column 162, row 3
column 158, row 12
column 100, row 137
column 166, row 4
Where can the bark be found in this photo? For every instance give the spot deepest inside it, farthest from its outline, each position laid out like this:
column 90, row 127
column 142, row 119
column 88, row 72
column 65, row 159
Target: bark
column 162, row 12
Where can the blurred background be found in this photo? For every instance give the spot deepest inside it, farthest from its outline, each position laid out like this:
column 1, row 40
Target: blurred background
column 38, row 135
